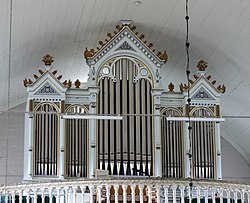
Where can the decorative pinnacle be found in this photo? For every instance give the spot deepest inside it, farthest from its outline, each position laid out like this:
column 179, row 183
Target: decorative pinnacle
column 48, row 60
column 202, row 65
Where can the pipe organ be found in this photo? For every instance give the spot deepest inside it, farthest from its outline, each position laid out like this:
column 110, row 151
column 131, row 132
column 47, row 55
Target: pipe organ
column 124, row 80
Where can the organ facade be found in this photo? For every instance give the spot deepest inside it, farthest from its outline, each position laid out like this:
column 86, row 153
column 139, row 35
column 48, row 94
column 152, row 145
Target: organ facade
column 145, row 131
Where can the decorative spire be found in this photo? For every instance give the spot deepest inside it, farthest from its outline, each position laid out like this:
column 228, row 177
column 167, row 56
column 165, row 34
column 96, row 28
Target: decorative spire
column 171, row 87
column 202, row 65
column 48, row 60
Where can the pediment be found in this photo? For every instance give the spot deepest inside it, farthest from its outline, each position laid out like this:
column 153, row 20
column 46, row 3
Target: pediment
column 202, row 94
column 125, row 41
column 47, row 89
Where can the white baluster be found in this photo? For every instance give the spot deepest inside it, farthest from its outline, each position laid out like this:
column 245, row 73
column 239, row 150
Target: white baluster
column 74, row 194
column 221, row 195
column 83, row 191
column 116, row 188
column 149, row 193
column 28, row 196
column 58, row 195
column 158, row 193
column 174, row 194
column 35, row 196
column 43, row 196
column 124, row 191
column 20, row 193
column 166, row 193
column 235, row 196
column 50, row 195
column 242, row 195
column 133, row 192
column 213, row 197
column 99, row 193
column 228, row 196
column 206, row 195
column 141, row 187
column 108, row 193
column 6, row 197
column 182, row 188
column 248, row 197
column 91, row 189
column 198, row 195
column 190, row 195
column 13, row 196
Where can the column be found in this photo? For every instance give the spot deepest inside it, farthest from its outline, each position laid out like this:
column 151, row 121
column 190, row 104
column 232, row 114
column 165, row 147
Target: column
column 141, row 187
column 124, row 191
column 218, row 151
column 116, row 187
column 92, row 143
column 187, row 150
column 133, row 192
column 157, row 131
column 221, row 195
column 62, row 148
column 83, row 191
column 30, row 147
column 213, row 193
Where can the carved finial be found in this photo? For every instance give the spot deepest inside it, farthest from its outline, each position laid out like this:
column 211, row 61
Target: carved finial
column 69, row 83
column 87, row 53
column 150, row 45
column 40, row 71
column 171, row 87
column 191, row 81
column 25, row 82
column 222, row 88
column 142, row 36
column 77, row 83
column 133, row 28
column 109, row 35
column 30, row 81
column 54, row 72
column 48, row 60
column 101, row 43
column 35, row 76
column 214, row 82
column 65, row 82
column 59, row 77
column 208, row 77
column 202, row 65
column 196, row 77
column 164, row 56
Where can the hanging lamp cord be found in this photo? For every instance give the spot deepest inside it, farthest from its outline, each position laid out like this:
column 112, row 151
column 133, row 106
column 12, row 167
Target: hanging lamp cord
column 187, row 45
column 8, row 96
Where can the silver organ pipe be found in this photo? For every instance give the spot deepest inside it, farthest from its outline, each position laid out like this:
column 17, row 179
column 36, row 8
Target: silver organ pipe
column 45, row 138
column 125, row 147
column 202, row 141
column 172, row 144
column 76, row 142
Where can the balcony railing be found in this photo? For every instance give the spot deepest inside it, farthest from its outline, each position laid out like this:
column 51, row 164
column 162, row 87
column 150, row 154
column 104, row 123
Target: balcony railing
column 127, row 190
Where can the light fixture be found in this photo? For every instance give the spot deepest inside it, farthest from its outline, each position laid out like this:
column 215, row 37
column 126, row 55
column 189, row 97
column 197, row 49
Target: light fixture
column 95, row 117
column 202, row 119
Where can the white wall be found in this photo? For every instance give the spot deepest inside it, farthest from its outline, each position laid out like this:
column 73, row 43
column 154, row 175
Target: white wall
column 234, row 166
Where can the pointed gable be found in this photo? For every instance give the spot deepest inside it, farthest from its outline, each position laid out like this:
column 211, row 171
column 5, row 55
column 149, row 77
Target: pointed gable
column 125, row 40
